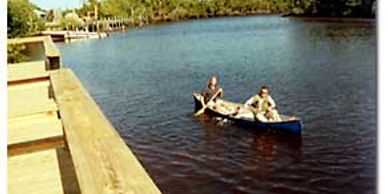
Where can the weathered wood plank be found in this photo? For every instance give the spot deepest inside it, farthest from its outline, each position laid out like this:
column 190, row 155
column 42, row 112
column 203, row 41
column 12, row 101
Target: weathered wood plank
column 28, row 92
column 37, row 116
column 32, row 130
column 30, row 106
column 102, row 161
column 26, row 40
column 50, row 49
column 26, row 70
column 16, row 97
column 28, row 120
column 34, row 134
column 36, row 172
column 35, row 146
column 27, row 85
column 28, row 81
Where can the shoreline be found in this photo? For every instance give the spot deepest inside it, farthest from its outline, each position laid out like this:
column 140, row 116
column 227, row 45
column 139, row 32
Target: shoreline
column 291, row 16
column 332, row 19
column 157, row 22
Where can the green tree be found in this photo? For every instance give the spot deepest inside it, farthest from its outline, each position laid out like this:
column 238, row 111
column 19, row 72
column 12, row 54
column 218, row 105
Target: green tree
column 344, row 8
column 71, row 21
column 15, row 53
column 148, row 11
column 22, row 20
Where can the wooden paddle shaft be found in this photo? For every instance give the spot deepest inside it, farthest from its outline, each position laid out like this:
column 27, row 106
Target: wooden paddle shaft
column 207, row 104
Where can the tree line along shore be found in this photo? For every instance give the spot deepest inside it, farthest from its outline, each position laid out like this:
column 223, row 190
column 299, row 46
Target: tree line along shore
column 150, row 10
column 23, row 21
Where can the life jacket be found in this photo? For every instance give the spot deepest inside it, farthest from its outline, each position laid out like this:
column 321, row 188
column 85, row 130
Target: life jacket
column 260, row 104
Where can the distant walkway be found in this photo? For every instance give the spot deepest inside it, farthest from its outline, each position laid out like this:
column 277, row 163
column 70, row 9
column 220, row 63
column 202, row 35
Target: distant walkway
column 69, row 35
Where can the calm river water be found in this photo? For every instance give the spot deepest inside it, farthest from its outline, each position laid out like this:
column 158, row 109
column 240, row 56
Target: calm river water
column 323, row 72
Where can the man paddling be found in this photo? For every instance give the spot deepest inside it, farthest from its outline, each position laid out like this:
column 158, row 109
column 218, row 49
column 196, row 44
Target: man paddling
column 263, row 105
column 211, row 89
column 209, row 95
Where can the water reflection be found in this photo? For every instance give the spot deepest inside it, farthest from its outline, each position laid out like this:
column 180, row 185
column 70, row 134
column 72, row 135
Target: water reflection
column 341, row 34
column 263, row 149
column 257, row 157
column 268, row 144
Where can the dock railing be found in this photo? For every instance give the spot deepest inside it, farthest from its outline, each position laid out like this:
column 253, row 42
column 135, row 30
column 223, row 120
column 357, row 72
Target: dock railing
column 59, row 141
column 50, row 52
column 102, row 160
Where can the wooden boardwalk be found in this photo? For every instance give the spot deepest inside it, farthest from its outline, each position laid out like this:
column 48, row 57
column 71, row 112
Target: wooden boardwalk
column 71, row 35
column 59, row 141
column 35, row 132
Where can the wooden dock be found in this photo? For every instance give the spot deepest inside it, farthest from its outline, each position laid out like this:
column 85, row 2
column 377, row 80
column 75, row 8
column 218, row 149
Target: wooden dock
column 59, row 141
column 72, row 35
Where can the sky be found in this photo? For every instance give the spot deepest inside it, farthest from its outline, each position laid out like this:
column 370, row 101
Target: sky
column 52, row 4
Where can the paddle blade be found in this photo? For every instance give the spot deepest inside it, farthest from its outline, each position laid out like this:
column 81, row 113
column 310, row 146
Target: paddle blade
column 200, row 112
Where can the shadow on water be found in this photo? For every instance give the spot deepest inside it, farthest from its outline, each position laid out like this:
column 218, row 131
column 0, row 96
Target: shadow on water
column 258, row 154
column 293, row 140
column 266, row 143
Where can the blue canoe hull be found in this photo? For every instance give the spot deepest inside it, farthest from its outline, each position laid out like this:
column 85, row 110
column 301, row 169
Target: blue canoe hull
column 290, row 126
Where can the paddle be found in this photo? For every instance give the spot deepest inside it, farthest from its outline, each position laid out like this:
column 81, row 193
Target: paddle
column 202, row 110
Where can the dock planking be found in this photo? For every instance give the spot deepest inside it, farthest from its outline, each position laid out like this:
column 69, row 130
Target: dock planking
column 28, row 86
column 59, row 141
column 27, row 94
column 102, row 161
column 34, row 133
column 37, row 172
column 27, row 70
column 25, row 108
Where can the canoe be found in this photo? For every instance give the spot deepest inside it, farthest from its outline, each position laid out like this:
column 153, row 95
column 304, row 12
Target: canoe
column 227, row 110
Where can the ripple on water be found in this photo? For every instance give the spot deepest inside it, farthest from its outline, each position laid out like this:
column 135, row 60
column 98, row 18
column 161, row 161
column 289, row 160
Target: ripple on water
column 323, row 72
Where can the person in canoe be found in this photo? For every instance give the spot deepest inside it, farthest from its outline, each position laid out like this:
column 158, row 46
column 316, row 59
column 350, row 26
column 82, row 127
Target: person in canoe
column 209, row 95
column 211, row 89
column 263, row 106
